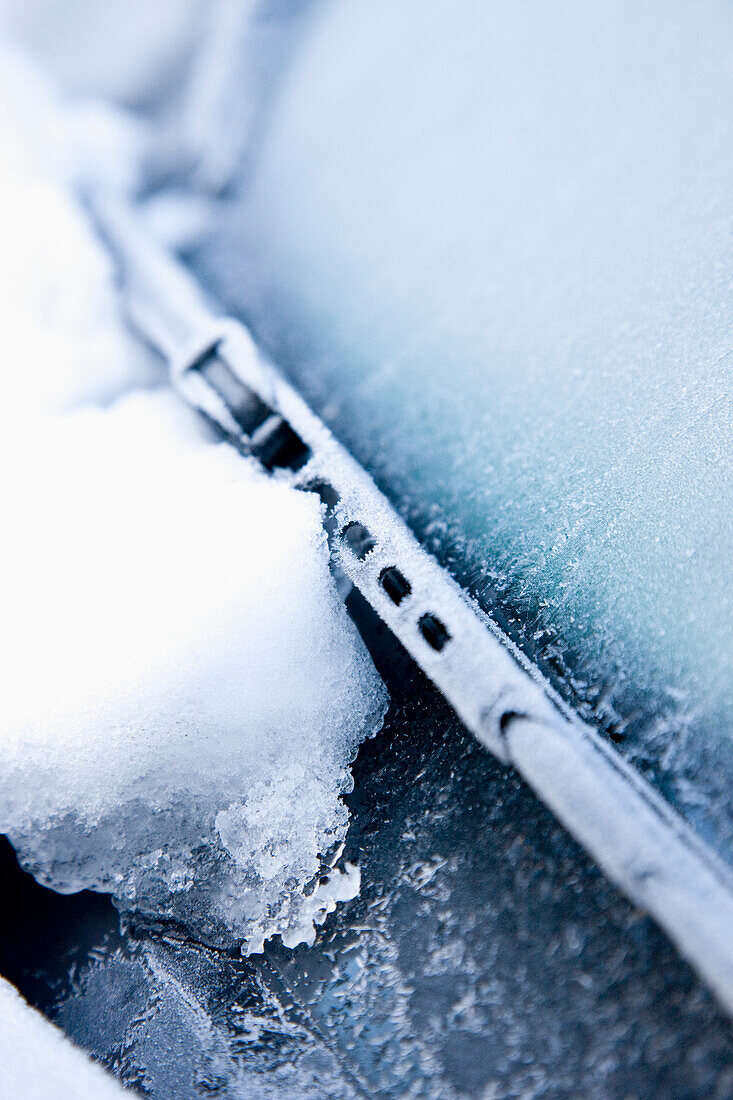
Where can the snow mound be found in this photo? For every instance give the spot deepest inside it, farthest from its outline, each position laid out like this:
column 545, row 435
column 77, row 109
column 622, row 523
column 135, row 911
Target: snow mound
column 184, row 689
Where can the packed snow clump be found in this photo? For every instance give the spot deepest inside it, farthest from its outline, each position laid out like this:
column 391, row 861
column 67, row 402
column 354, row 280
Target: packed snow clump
column 184, row 688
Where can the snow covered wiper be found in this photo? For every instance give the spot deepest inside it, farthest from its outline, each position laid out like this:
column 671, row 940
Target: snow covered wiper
column 641, row 843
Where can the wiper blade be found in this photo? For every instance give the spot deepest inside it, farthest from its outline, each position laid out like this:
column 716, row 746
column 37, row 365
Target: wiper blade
column 635, row 836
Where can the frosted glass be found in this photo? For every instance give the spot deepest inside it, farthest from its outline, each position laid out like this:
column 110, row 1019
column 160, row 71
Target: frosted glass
column 492, row 244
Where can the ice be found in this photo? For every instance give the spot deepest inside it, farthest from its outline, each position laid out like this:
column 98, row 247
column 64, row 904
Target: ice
column 481, row 945
column 493, row 245
column 60, row 1071
column 184, row 688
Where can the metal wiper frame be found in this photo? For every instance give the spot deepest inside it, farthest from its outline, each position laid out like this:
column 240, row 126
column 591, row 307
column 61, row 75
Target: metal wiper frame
column 637, row 838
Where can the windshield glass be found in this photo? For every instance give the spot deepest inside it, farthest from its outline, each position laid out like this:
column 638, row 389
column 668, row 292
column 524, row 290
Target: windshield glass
column 492, row 245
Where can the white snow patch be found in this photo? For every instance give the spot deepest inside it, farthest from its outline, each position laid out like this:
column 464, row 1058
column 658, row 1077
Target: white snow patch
column 37, row 1062
column 184, row 689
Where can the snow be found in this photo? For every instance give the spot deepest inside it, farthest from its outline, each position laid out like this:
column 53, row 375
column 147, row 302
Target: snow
column 183, row 689
column 491, row 244
column 133, row 53
column 63, row 339
column 59, row 1071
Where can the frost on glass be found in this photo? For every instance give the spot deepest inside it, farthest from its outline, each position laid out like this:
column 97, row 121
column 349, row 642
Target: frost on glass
column 493, row 245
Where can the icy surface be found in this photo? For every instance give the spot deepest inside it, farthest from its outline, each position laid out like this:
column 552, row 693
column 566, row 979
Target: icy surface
column 493, row 244
column 184, row 689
